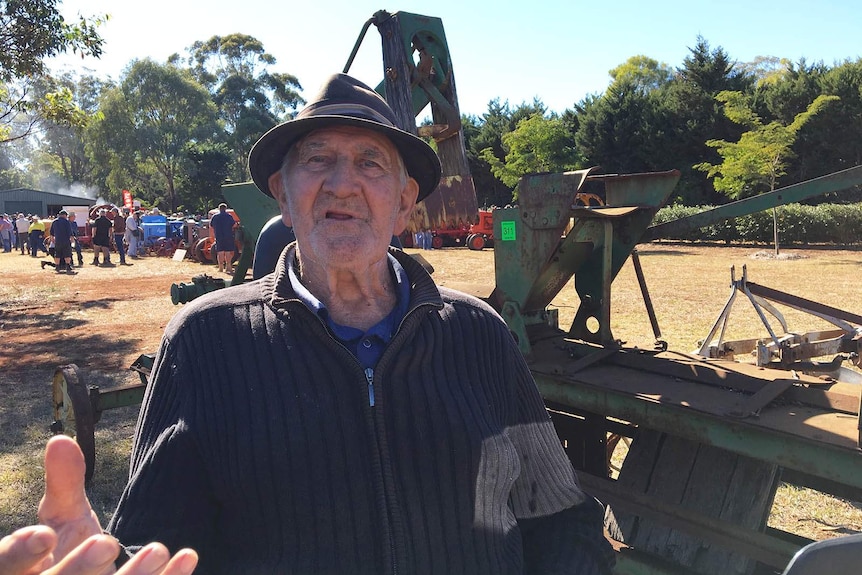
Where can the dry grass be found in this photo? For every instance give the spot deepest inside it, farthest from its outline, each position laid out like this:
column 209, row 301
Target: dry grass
column 688, row 285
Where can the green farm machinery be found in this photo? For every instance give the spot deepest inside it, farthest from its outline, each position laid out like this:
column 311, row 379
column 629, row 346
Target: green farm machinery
column 710, row 438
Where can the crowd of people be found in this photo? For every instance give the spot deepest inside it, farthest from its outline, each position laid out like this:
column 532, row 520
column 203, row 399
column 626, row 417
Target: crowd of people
column 116, row 231
column 423, row 239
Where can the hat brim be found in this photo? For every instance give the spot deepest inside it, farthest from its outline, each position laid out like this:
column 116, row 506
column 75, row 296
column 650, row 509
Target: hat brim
column 268, row 153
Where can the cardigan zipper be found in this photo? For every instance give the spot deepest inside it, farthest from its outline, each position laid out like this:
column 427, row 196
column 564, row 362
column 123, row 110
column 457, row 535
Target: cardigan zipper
column 369, row 377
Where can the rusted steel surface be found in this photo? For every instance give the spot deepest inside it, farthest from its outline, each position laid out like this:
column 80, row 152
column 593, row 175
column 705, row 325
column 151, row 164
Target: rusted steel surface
column 810, row 439
column 452, row 206
column 757, row 545
column 803, row 304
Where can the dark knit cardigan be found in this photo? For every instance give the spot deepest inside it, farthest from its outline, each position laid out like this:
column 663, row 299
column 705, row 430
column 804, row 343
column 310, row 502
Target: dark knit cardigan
column 258, row 447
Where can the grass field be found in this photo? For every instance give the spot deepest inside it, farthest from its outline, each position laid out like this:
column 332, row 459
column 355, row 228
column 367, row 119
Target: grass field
column 688, row 285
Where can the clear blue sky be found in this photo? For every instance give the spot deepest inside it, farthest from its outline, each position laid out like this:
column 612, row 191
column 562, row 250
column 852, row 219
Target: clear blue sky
column 557, row 50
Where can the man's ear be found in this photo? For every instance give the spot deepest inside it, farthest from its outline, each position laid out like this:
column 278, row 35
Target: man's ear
column 276, row 187
column 407, row 202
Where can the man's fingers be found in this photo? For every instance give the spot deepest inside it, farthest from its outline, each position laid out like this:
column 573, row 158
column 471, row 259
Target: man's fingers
column 183, row 563
column 24, row 551
column 65, row 497
column 94, row 556
column 155, row 559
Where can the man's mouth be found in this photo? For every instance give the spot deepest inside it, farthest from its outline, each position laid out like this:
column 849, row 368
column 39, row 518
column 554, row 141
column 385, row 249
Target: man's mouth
column 338, row 216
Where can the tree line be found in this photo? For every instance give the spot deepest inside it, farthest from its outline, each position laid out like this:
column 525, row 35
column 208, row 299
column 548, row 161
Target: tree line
column 173, row 132
column 732, row 129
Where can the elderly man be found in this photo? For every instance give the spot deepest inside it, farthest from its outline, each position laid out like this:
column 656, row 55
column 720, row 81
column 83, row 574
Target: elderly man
column 344, row 414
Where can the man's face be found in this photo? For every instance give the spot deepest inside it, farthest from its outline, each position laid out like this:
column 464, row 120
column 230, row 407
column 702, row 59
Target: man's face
column 344, row 194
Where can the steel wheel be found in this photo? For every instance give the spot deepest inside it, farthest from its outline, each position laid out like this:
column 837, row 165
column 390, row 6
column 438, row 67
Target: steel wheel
column 200, row 254
column 73, row 412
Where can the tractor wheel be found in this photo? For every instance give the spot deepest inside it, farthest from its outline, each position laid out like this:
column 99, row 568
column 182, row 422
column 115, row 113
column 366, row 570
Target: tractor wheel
column 437, row 242
column 476, row 242
column 73, row 412
column 200, row 254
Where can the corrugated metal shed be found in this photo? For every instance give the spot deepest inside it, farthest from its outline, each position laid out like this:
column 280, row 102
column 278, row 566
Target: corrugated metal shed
column 38, row 202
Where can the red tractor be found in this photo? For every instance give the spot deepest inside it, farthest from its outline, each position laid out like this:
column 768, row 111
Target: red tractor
column 475, row 236
column 481, row 233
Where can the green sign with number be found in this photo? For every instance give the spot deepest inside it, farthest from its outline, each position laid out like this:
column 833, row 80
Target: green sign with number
column 507, row 230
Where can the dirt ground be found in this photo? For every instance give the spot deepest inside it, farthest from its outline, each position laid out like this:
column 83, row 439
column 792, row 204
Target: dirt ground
column 102, row 319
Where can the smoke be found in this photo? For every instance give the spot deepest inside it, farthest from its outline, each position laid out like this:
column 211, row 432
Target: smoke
column 78, row 190
column 53, row 184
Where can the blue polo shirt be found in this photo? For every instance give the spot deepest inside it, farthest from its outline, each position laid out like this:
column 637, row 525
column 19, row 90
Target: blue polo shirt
column 366, row 346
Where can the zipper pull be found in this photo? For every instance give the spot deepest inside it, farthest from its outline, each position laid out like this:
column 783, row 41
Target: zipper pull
column 369, row 376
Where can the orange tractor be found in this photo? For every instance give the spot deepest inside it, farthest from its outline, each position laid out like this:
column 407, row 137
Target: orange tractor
column 205, row 242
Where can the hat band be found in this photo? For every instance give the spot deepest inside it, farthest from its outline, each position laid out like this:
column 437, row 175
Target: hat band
column 349, row 110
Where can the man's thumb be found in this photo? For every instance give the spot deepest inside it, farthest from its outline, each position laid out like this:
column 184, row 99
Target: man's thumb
column 65, row 498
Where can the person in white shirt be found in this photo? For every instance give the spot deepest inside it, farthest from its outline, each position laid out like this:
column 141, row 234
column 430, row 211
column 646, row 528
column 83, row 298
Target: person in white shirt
column 132, row 235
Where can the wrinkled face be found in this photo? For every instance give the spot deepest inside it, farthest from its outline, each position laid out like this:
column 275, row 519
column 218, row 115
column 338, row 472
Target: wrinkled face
column 345, row 193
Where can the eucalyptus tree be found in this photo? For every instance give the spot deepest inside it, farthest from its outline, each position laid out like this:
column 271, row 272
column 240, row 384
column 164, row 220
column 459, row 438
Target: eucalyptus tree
column 62, row 145
column 148, row 123
column 30, row 32
column 250, row 98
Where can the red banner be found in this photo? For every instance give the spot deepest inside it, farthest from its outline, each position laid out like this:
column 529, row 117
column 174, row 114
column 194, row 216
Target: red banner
column 127, row 199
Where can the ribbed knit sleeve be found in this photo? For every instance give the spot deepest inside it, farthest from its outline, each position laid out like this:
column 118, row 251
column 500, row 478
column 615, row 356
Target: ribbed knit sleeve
column 547, row 482
column 169, row 496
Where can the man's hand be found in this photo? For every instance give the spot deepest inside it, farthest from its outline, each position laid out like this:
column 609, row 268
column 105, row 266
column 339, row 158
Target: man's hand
column 71, row 541
column 28, row 551
column 65, row 507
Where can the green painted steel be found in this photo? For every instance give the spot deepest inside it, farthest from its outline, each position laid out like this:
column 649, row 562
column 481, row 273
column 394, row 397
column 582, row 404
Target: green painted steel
column 120, row 397
column 425, row 35
column 254, row 209
column 536, row 264
column 814, row 458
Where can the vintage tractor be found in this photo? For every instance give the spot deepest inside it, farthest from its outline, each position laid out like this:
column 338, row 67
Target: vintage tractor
column 203, row 246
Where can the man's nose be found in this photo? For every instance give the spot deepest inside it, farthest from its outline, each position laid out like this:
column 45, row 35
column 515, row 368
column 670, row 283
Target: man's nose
column 342, row 178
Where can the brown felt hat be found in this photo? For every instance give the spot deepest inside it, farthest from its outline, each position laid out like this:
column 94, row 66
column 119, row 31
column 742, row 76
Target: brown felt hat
column 343, row 100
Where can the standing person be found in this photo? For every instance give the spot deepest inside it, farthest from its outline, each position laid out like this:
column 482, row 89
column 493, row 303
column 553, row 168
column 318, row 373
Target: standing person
column 22, row 224
column 7, row 232
column 223, row 225
column 36, row 236
column 102, row 239
column 76, row 243
column 119, row 235
column 132, row 230
column 61, row 235
column 349, row 416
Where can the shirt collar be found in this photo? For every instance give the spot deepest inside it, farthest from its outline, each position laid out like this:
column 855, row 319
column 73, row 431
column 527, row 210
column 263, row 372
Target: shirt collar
column 383, row 329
